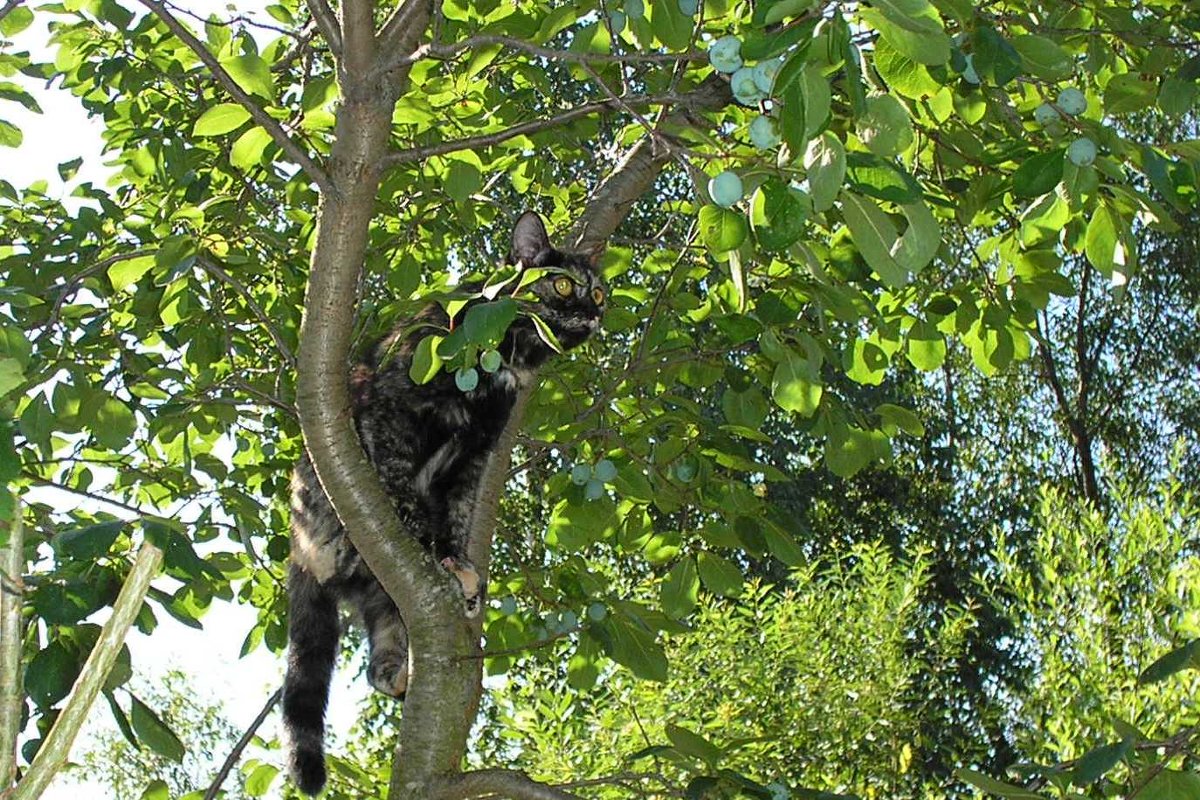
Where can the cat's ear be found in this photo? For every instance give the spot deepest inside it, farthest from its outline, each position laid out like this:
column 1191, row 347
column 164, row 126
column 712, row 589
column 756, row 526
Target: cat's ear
column 529, row 238
column 596, row 254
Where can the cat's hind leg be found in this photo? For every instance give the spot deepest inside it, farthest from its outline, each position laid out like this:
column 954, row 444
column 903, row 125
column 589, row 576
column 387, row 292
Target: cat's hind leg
column 387, row 640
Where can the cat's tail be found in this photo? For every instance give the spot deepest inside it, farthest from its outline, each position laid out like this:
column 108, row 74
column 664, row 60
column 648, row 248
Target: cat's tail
column 313, row 632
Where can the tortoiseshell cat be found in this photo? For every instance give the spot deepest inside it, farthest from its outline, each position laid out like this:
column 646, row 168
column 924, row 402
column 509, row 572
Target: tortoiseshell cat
column 429, row 443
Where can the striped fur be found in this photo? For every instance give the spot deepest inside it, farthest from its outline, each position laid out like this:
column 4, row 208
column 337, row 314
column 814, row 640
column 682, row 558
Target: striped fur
column 429, row 443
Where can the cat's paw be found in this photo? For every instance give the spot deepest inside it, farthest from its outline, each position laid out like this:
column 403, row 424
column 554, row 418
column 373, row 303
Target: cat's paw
column 389, row 674
column 468, row 578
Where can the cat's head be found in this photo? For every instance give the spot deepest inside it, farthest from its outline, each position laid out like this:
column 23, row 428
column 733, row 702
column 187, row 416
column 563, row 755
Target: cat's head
column 571, row 295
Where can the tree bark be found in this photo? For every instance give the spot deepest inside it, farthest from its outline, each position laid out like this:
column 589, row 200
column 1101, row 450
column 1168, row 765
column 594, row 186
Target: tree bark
column 445, row 682
column 12, row 567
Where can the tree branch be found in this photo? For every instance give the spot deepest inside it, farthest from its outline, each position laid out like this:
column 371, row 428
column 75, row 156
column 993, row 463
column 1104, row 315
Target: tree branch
column 327, row 22
column 268, row 123
column 400, row 33
column 216, row 271
column 509, row 783
column 534, row 126
column 433, row 50
column 57, row 745
column 12, row 567
column 242, row 743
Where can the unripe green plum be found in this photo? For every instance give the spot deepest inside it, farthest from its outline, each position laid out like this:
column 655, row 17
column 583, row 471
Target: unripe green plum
column 594, row 489
column 764, row 74
column 605, row 470
column 1045, row 114
column 635, row 9
column 1072, row 101
column 581, row 474
column 466, row 379
column 1082, row 152
column 617, row 20
column 764, row 133
column 725, row 189
column 689, row 7
column 725, row 54
column 745, row 87
column 490, row 360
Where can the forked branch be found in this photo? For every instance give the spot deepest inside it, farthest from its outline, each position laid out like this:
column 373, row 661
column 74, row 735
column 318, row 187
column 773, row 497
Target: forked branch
column 289, row 145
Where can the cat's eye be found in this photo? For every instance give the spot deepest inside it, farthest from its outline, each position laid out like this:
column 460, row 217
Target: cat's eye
column 598, row 296
column 564, row 286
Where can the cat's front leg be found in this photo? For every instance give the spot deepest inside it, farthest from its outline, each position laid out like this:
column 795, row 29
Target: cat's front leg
column 469, row 579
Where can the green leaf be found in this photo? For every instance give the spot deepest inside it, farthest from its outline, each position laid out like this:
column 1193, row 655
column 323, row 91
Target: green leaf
column 779, row 216
column 896, row 418
column 746, row 408
column 1181, row 658
column 10, row 135
column 221, row 119
column 874, row 235
column 463, row 179
column 996, row 60
column 17, row 20
column 156, row 790
column 1039, row 173
column 886, row 129
column 545, row 334
column 795, row 386
column 260, row 779
column 633, row 646
column 1102, row 238
column 903, row 75
column 425, row 360
column 1172, row 784
column 1092, row 766
column 574, row 526
column 486, row 323
column 249, row 148
column 719, row 575
column 825, row 162
column 996, row 787
column 113, row 424
column 680, row 589
column 930, row 45
column 1043, row 57
column 693, row 744
column 87, row 543
column 154, row 733
column 1129, row 92
column 11, row 375
column 722, row 229
column 783, row 546
column 50, row 674
column 849, row 449
column 252, row 74
column 670, row 25
column 129, row 271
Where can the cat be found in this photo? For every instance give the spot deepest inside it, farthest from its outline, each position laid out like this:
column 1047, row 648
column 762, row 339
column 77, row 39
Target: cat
column 429, row 443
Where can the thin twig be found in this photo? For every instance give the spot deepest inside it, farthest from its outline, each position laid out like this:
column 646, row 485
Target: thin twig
column 326, row 20
column 265, row 120
column 236, row 753
column 534, row 126
column 574, row 56
column 216, row 271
